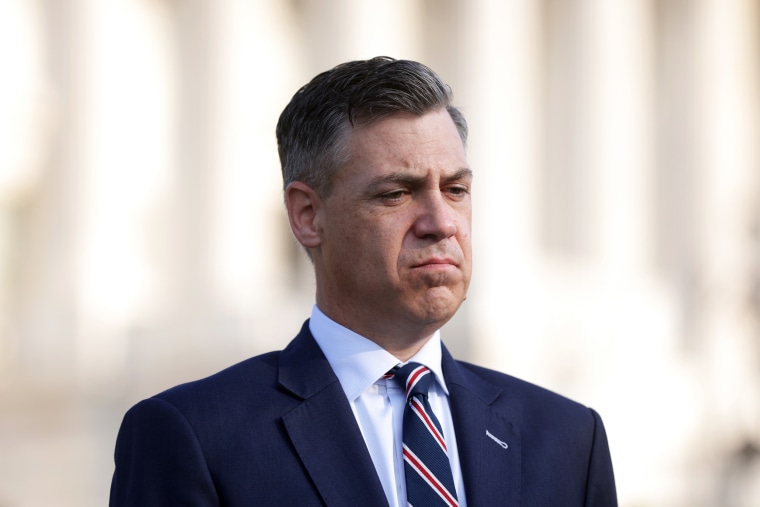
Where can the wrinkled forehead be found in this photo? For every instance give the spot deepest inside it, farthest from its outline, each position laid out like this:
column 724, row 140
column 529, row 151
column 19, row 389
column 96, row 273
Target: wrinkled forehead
column 399, row 138
column 406, row 133
column 403, row 143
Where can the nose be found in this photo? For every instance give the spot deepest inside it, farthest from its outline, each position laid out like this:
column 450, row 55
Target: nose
column 436, row 219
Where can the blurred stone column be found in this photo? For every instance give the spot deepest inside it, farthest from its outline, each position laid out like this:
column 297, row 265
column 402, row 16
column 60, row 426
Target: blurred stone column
column 334, row 31
column 42, row 222
column 501, row 73
column 262, row 283
column 222, row 255
column 26, row 120
column 631, row 364
column 120, row 137
column 184, row 312
column 728, row 348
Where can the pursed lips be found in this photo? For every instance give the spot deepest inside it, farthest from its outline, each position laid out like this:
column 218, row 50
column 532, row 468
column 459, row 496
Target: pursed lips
column 435, row 261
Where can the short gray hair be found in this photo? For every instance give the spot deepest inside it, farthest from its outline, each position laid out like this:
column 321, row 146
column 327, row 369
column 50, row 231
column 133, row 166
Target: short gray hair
column 311, row 130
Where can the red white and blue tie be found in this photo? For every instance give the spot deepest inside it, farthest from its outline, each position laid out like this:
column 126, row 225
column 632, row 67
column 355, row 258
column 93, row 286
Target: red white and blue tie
column 429, row 482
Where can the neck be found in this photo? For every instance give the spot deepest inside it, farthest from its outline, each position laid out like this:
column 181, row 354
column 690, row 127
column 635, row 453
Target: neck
column 399, row 340
column 402, row 351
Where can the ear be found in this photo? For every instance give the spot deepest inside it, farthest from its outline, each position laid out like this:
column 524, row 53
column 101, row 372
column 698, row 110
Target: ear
column 303, row 204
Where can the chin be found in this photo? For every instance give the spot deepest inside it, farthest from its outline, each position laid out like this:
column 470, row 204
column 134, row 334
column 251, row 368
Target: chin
column 439, row 308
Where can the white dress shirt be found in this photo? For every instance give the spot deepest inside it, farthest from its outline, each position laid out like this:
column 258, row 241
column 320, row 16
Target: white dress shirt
column 378, row 405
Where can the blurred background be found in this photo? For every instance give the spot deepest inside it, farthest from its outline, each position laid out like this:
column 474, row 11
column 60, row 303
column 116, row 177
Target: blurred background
column 616, row 151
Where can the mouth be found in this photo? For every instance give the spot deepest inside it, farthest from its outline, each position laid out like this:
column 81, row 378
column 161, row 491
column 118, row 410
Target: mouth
column 434, row 262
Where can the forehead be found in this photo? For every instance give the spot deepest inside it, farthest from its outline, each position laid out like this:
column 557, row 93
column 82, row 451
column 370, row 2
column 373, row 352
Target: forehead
column 405, row 139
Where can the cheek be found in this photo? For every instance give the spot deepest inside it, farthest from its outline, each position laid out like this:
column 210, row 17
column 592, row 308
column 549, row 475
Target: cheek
column 362, row 249
column 371, row 246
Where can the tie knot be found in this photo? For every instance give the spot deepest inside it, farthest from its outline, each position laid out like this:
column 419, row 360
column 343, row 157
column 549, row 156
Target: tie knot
column 414, row 378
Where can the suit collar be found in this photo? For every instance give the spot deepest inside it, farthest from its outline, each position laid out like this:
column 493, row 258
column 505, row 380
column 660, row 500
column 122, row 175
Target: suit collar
column 491, row 472
column 457, row 375
column 323, row 428
column 304, row 369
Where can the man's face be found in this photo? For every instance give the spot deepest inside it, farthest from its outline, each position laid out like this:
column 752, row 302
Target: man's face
column 394, row 253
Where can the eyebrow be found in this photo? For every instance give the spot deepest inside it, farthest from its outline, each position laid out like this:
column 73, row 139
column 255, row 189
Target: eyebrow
column 407, row 179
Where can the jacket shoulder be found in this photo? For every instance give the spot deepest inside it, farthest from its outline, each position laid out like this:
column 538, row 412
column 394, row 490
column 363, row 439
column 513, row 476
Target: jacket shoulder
column 535, row 403
column 229, row 388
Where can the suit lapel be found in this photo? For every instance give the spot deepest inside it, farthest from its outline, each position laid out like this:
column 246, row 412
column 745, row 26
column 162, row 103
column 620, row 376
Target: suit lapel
column 491, row 473
column 323, row 429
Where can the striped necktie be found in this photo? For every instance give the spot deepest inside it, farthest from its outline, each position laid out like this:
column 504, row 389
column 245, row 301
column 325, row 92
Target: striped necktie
column 429, row 481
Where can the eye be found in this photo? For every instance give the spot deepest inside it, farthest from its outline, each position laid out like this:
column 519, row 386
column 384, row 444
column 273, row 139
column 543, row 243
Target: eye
column 458, row 191
column 394, row 196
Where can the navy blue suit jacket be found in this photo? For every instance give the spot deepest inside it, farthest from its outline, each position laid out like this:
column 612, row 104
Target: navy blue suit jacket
column 277, row 430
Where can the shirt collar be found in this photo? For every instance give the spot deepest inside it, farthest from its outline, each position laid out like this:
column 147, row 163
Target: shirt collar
column 359, row 362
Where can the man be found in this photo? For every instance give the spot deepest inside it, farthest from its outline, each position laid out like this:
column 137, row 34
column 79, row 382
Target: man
column 378, row 192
